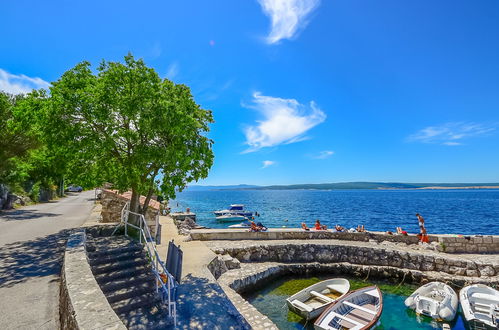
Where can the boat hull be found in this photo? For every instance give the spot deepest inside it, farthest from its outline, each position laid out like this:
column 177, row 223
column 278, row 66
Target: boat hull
column 436, row 300
column 359, row 309
column 480, row 306
column 231, row 218
column 310, row 302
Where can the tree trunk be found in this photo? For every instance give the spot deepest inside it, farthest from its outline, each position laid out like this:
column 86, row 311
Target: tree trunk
column 134, row 206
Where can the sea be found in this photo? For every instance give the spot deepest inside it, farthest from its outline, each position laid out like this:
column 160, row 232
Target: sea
column 446, row 211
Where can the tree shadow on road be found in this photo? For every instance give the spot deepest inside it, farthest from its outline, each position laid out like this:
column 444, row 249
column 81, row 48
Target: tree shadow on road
column 25, row 215
column 40, row 257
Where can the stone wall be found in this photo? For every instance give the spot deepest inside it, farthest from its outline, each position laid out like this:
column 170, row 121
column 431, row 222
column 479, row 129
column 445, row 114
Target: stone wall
column 82, row 304
column 469, row 244
column 378, row 256
column 300, row 234
column 449, row 243
column 113, row 203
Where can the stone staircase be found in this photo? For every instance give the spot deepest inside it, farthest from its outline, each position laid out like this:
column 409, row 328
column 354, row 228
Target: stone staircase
column 122, row 270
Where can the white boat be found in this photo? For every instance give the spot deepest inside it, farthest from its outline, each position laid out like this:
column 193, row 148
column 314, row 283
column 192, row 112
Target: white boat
column 359, row 309
column 480, row 305
column 244, row 224
column 436, row 300
column 234, row 209
column 231, row 218
column 311, row 301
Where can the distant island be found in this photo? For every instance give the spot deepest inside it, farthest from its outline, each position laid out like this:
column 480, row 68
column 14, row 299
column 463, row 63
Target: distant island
column 351, row 185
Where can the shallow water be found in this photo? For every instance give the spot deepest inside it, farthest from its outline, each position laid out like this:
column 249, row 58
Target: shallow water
column 445, row 211
column 271, row 301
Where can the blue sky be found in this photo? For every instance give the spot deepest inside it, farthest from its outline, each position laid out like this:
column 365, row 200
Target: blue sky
column 301, row 91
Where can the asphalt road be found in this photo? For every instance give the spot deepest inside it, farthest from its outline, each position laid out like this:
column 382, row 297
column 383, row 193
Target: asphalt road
column 32, row 241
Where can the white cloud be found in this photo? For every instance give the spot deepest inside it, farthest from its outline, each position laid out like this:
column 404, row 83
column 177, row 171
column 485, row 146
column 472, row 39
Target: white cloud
column 287, row 17
column 450, row 134
column 20, row 84
column 172, row 71
column 267, row 163
column 284, row 121
column 324, row 154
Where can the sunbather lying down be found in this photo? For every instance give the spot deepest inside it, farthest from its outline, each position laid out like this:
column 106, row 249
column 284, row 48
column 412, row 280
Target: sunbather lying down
column 339, row 228
column 257, row 227
column 319, row 226
column 361, row 229
column 401, row 232
column 304, row 226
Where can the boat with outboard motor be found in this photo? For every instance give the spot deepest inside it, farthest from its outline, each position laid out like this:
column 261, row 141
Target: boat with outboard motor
column 436, row 300
column 358, row 310
column 234, row 209
column 311, row 301
column 480, row 305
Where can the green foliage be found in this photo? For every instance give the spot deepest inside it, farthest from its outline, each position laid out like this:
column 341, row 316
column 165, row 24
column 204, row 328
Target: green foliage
column 130, row 127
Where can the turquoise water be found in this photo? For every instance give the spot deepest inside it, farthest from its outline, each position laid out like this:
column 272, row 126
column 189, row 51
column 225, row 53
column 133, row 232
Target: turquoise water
column 445, row 211
column 269, row 301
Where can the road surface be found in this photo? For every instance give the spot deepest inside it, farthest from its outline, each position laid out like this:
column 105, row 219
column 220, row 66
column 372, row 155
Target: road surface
column 32, row 243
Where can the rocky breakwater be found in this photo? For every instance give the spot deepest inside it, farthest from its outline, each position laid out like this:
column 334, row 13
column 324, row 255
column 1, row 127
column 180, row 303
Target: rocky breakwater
column 375, row 255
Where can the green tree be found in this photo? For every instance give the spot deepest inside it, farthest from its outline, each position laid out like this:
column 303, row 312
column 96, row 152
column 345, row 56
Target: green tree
column 16, row 136
column 129, row 126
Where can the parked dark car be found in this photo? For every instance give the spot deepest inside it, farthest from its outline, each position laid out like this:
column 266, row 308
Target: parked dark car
column 74, row 189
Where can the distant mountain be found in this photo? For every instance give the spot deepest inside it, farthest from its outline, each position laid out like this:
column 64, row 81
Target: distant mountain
column 230, row 187
column 378, row 185
column 347, row 185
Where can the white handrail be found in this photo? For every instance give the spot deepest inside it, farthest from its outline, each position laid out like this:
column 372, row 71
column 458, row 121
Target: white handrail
column 145, row 234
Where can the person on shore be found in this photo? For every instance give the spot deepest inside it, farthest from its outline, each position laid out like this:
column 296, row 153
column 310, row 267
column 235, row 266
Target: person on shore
column 361, row 229
column 420, row 222
column 339, row 228
column 401, row 232
column 253, row 226
column 261, row 227
column 318, row 225
column 304, row 226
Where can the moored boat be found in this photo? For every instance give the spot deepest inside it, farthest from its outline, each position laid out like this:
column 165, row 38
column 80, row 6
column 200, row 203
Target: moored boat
column 480, row 305
column 359, row 309
column 311, row 301
column 244, row 224
column 234, row 209
column 231, row 218
column 436, row 300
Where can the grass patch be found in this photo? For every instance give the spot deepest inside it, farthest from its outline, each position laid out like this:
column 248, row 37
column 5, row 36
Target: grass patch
column 291, row 287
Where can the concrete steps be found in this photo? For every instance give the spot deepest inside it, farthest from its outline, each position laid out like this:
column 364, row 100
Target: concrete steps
column 122, row 270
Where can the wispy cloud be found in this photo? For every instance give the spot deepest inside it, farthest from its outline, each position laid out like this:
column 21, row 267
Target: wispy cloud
column 323, row 154
column 284, row 121
column 267, row 163
column 451, row 134
column 287, row 17
column 172, row 71
column 20, row 84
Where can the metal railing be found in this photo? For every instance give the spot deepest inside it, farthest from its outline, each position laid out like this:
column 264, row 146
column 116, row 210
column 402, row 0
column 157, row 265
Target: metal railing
column 166, row 290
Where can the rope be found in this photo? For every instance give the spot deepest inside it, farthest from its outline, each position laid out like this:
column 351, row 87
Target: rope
column 368, row 272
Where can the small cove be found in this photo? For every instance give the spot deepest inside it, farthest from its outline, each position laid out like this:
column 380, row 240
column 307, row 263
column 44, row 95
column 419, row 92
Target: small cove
column 271, row 301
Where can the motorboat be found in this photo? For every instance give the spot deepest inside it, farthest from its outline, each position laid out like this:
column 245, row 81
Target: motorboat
column 311, row 301
column 436, row 300
column 234, row 209
column 231, row 218
column 359, row 309
column 244, row 224
column 480, row 305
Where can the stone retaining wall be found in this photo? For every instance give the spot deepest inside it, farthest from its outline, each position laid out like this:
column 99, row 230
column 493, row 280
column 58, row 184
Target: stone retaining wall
column 449, row 243
column 469, row 244
column 376, row 256
column 82, row 304
column 113, row 203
